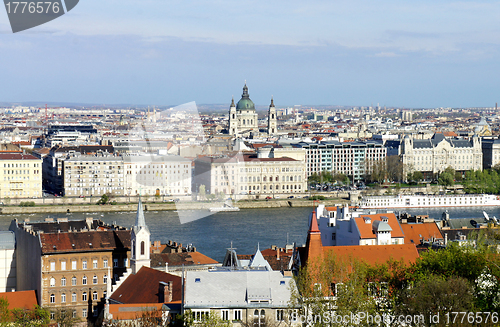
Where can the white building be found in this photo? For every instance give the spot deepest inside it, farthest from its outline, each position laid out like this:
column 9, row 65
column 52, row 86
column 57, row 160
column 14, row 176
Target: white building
column 7, row 261
column 252, row 174
column 434, row 155
column 342, row 226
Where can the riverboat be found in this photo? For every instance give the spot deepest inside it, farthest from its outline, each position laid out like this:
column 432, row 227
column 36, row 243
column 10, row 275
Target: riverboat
column 429, row 201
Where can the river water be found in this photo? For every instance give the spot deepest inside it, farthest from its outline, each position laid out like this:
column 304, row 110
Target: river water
column 246, row 228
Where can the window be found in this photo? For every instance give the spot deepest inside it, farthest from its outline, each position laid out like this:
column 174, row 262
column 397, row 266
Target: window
column 225, row 314
column 200, row 315
column 63, row 265
column 84, row 313
column 74, row 314
column 63, row 298
column 52, row 282
column 94, row 296
column 280, row 315
column 125, row 262
column 73, row 297
column 52, row 298
column 142, row 248
column 94, row 263
column 84, row 296
column 52, row 266
column 63, row 281
column 94, row 280
column 105, row 279
column 52, row 315
column 73, row 281
column 105, row 263
column 84, row 280
column 73, row 264
column 115, row 263
column 84, row 264
column 237, row 314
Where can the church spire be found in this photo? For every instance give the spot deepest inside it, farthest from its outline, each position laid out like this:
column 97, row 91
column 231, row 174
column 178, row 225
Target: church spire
column 140, row 221
column 272, row 102
column 232, row 102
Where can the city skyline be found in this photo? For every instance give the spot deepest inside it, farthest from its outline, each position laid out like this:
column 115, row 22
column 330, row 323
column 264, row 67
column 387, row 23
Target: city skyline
column 417, row 55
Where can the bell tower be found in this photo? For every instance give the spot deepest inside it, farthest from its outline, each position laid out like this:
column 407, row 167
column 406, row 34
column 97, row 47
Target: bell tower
column 140, row 242
column 271, row 119
column 233, row 119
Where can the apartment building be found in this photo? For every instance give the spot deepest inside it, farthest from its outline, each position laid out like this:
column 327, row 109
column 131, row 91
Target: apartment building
column 21, row 176
column 253, row 174
column 349, row 158
column 157, row 175
column 93, row 176
column 70, row 264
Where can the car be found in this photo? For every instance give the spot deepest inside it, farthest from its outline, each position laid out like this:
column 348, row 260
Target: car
column 277, row 197
column 290, row 197
column 268, row 197
column 82, row 196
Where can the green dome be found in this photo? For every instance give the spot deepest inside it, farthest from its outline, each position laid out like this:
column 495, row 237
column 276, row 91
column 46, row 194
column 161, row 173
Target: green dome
column 245, row 103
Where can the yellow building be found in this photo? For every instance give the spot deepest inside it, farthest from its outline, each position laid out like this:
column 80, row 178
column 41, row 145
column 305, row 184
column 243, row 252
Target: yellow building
column 21, row 176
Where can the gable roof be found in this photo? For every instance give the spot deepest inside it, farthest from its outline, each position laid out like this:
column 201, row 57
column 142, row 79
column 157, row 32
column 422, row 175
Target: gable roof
column 143, row 287
column 416, row 232
column 182, row 258
column 20, row 299
column 376, row 254
column 366, row 229
column 85, row 241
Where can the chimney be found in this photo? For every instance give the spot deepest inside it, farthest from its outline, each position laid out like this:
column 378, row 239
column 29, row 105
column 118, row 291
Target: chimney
column 165, row 292
column 277, row 253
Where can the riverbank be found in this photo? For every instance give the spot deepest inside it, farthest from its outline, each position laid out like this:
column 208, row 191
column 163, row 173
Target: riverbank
column 61, row 208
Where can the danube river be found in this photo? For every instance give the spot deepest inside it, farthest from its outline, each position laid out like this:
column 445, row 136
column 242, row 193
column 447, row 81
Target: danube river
column 247, row 228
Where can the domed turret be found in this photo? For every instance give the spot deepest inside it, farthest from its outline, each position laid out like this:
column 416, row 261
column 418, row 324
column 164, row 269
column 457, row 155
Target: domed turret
column 245, row 103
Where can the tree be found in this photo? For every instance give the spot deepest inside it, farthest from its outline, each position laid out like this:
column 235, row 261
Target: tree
column 148, row 318
column 395, row 168
column 202, row 192
column 434, row 295
column 378, row 171
column 416, row 176
column 446, row 179
column 65, row 318
column 104, row 199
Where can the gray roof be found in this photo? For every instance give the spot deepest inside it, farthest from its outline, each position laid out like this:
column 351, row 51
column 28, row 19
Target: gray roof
column 237, row 289
column 381, row 226
column 258, row 261
column 140, row 221
column 7, row 240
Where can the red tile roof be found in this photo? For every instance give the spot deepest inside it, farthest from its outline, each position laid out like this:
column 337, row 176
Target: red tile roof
column 181, row 258
column 17, row 156
column 20, row 299
column 416, row 232
column 366, row 231
column 143, row 287
column 132, row 311
column 84, row 241
column 376, row 254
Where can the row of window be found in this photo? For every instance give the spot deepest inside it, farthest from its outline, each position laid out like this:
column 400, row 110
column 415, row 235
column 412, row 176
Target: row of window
column 259, row 315
column 19, row 165
column 74, row 297
column 74, row 280
column 95, row 264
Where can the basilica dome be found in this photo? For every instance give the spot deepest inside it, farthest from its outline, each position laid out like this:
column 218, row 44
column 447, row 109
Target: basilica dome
column 245, row 103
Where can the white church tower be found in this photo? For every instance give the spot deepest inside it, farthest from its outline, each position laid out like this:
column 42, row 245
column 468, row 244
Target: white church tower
column 140, row 242
column 271, row 119
column 233, row 119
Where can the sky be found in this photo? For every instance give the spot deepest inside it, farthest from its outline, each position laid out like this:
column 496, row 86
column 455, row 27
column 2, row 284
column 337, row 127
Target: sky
column 416, row 54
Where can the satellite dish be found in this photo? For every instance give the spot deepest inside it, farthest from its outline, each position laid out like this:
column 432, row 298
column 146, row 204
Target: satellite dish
column 485, row 214
column 473, row 223
column 495, row 220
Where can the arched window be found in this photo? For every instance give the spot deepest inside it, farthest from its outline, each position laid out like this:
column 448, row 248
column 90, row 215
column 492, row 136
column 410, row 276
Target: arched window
column 84, row 280
column 94, row 280
column 264, row 179
column 52, row 298
column 142, row 248
column 63, row 298
column 73, row 281
column 73, row 297
column 133, row 248
column 84, row 296
column 63, row 281
column 52, row 282
column 271, row 178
